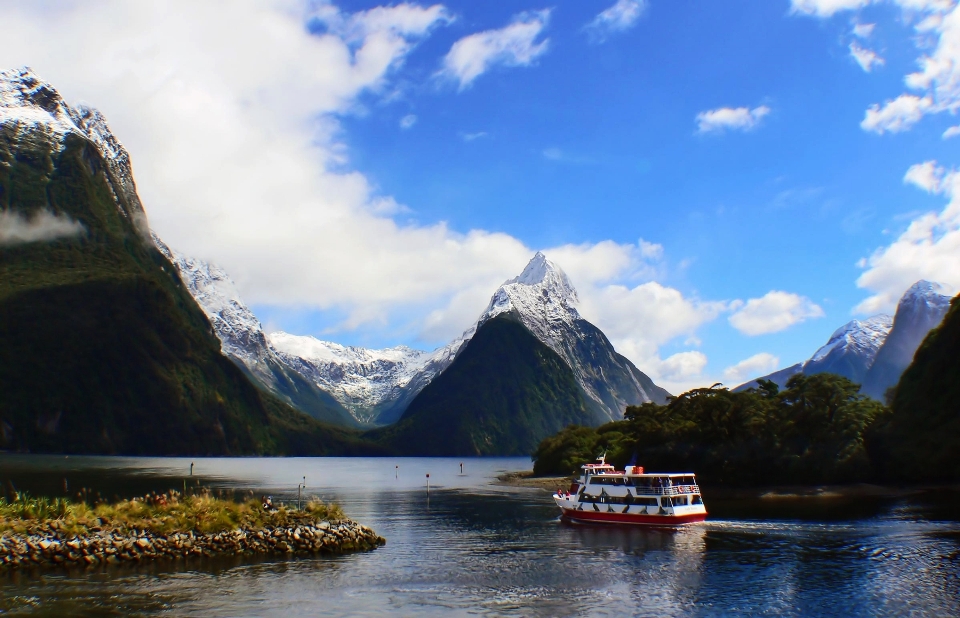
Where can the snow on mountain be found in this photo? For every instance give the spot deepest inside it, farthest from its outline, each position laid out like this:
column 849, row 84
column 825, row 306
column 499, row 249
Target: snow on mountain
column 876, row 351
column 33, row 110
column 862, row 338
column 239, row 330
column 920, row 310
column 849, row 352
column 364, row 381
column 544, row 300
column 243, row 340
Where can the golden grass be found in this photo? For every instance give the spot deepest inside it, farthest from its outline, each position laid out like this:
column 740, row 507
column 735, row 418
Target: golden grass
column 155, row 513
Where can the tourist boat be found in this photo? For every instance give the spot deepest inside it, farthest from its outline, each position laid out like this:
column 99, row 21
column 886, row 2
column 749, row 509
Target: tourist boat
column 605, row 495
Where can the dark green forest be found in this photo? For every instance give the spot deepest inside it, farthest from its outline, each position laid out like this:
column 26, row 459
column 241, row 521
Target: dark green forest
column 817, row 430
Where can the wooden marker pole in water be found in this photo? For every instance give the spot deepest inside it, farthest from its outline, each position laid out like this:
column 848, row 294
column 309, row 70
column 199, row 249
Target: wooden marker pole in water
column 428, row 482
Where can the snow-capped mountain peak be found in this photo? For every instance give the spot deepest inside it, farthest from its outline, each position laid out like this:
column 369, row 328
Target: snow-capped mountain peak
column 928, row 293
column 542, row 296
column 35, row 111
column 861, row 336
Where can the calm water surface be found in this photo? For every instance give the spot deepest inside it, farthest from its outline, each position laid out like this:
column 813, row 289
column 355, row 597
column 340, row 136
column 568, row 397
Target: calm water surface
column 471, row 547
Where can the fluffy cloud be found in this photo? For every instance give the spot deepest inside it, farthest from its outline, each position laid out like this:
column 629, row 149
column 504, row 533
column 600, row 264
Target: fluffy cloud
column 897, row 115
column 927, row 249
column 825, row 8
column 233, row 125
column 866, row 58
column 951, row 132
column 863, row 31
column 927, row 176
column 773, row 312
column 723, row 118
column 408, row 121
column 618, row 18
column 16, row 229
column 936, row 85
column 513, row 45
column 750, row 368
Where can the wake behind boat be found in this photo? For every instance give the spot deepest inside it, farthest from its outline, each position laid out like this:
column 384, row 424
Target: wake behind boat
column 606, row 495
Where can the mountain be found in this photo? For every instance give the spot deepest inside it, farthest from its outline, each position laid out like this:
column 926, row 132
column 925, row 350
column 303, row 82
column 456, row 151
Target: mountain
column 921, row 443
column 503, row 393
column 243, row 340
column 850, row 352
column 102, row 348
column 376, row 386
column 920, row 309
column 528, row 368
column 874, row 352
column 544, row 301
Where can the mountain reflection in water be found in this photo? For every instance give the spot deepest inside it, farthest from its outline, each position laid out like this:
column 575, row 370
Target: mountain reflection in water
column 471, row 547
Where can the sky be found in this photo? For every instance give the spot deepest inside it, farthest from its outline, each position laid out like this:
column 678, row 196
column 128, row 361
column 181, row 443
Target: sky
column 725, row 183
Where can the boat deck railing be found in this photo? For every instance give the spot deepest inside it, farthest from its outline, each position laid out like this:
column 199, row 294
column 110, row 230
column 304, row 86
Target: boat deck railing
column 675, row 490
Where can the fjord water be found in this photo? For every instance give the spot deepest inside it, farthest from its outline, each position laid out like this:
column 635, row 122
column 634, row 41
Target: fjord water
column 474, row 547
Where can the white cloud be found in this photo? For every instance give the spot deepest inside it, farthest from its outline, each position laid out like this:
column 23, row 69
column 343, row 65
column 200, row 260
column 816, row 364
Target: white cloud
column 408, row 121
column 897, row 115
column 43, row 226
column 749, row 368
column 863, row 31
column 951, row 132
column 927, row 176
column 233, row 125
column 469, row 137
column 936, row 85
column 723, row 118
column 513, row 45
column 773, row 312
column 928, row 249
column 825, row 8
column 866, row 58
column 617, row 18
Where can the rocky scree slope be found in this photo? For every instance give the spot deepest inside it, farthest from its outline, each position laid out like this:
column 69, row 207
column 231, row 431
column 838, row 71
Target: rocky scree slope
column 102, row 349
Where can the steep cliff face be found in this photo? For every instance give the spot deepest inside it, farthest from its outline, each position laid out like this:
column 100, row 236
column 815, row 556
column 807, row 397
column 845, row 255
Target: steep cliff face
column 920, row 310
column 102, row 349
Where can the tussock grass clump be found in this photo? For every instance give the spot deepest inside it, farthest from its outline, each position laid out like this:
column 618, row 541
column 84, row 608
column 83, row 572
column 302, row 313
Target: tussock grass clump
column 155, row 513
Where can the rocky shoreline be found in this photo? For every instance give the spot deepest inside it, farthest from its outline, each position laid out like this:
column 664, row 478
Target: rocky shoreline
column 52, row 548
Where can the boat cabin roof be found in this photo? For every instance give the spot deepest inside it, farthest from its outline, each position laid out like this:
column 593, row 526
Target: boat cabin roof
column 610, row 470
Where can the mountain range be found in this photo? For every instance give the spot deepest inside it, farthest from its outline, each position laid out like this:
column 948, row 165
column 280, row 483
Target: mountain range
column 102, row 348
column 379, row 387
column 874, row 352
column 112, row 342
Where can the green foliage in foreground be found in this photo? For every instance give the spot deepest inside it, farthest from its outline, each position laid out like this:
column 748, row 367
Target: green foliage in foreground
column 159, row 514
column 922, row 438
column 815, row 431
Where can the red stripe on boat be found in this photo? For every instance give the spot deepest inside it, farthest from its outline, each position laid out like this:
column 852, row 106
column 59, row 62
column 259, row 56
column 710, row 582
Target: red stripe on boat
column 601, row 517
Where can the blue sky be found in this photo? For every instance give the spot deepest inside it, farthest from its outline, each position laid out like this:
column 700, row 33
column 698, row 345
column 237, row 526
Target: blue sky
column 731, row 137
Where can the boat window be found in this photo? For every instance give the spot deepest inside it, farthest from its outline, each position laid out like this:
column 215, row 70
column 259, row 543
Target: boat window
column 680, row 501
column 645, row 501
column 696, row 500
column 666, row 501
